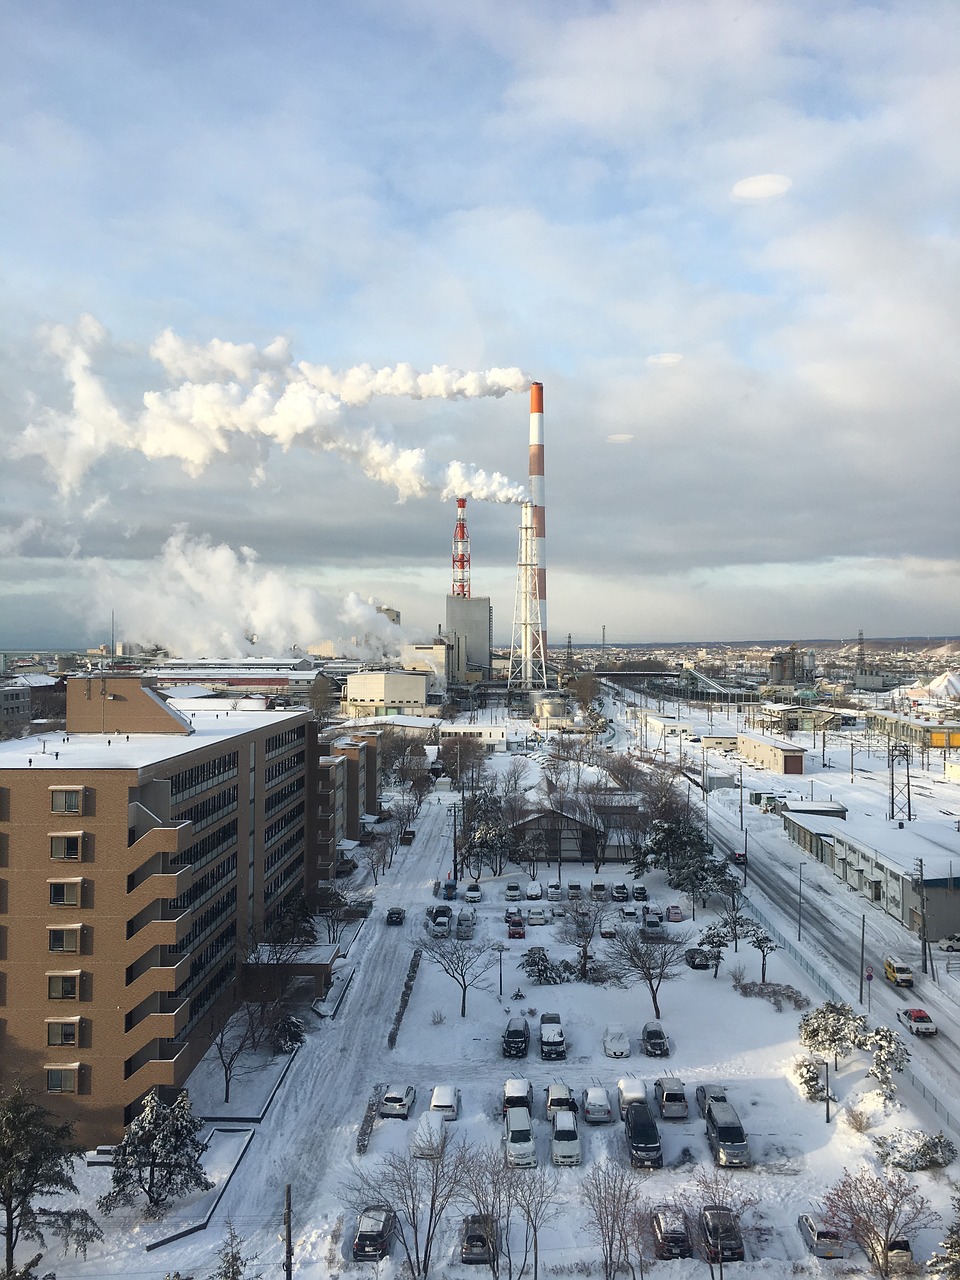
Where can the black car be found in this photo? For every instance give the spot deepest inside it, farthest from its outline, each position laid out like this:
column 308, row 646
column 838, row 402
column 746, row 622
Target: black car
column 479, row 1239
column 654, row 1041
column 697, row 958
column 671, row 1239
column 720, row 1232
column 639, row 892
column 396, row 915
column 375, row 1229
column 516, row 1038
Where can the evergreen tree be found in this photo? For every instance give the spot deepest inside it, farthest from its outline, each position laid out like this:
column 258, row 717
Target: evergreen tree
column 833, row 1028
column 159, row 1156
column 889, row 1055
column 36, row 1162
column 760, row 939
column 232, row 1264
column 947, row 1264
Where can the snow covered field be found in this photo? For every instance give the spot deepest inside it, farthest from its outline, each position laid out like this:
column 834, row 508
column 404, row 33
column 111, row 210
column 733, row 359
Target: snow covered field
column 308, row 1136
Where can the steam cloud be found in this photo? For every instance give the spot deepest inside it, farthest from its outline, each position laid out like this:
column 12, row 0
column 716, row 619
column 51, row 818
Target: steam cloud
column 226, row 391
column 202, row 599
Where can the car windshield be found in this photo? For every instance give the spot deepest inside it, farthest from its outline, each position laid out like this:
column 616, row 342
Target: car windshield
column 520, row 1135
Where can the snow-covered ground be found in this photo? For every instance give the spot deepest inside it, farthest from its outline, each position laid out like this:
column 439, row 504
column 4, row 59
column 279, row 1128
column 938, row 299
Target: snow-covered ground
column 307, row 1137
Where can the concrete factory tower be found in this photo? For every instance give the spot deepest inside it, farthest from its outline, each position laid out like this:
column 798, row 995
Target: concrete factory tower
column 528, row 654
column 469, row 627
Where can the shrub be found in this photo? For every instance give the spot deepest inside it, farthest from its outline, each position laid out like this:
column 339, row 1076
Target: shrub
column 287, row 1034
column 810, row 1079
column 858, row 1121
column 912, row 1149
column 438, row 1018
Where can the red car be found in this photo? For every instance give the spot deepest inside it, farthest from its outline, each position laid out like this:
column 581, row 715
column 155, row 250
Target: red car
column 517, row 929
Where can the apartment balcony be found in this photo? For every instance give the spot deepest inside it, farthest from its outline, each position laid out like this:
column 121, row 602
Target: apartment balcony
column 156, row 970
column 159, row 1016
column 158, row 925
column 156, row 879
column 157, row 1063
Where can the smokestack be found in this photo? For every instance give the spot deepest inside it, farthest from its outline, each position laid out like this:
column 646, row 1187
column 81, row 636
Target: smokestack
column 461, row 553
column 538, row 500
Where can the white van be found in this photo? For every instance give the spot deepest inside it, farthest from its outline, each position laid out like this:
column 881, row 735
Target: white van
column 521, row 1150
column 445, row 1101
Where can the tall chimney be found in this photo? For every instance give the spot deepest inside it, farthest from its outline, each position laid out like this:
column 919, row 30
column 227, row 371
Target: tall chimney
column 538, row 499
column 461, row 553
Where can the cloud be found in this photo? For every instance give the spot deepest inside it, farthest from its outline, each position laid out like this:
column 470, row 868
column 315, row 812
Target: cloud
column 763, row 186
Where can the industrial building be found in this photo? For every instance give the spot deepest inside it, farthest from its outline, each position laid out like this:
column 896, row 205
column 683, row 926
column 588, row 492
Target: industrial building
column 771, row 753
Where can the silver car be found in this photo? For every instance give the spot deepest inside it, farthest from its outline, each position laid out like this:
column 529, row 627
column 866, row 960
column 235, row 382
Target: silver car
column 595, row 1106
column 823, row 1242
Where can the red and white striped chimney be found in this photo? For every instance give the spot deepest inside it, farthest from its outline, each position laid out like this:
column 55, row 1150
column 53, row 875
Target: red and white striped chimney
column 537, row 498
column 461, row 553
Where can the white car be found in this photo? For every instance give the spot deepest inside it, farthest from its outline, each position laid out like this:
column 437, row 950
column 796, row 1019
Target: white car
column 565, row 1146
column 616, row 1042
column 520, row 1148
column 950, row 943
column 398, row 1101
column 473, row 893
column 536, row 915
column 512, row 892
column 554, row 891
column 534, row 891
column 595, row 1105
column 823, row 1242
column 917, row 1021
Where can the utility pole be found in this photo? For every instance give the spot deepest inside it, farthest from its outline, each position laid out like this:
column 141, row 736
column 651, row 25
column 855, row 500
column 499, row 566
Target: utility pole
column 918, row 885
column 287, row 1236
column 863, row 943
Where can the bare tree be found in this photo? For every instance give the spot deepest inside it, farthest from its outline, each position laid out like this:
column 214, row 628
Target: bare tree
column 463, row 758
column 715, row 1186
column 234, row 1038
column 636, row 959
column 323, row 698
column 465, row 962
column 580, row 927
column 417, row 1190
column 609, row 1191
column 876, row 1211
column 536, row 1197
column 489, row 1188
column 375, row 855
column 333, row 910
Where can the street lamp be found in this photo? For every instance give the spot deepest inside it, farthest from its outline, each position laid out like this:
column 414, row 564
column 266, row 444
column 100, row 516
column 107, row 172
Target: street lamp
column 826, row 1093
column 500, row 948
column 800, row 904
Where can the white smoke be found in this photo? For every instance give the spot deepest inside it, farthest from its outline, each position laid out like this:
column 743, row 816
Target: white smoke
column 202, row 599
column 225, row 392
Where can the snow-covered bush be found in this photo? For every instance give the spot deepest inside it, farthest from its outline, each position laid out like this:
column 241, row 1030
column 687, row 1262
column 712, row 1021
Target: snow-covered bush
column 809, row 1076
column 287, row 1034
column 912, row 1149
column 889, row 1055
column 541, row 970
column 778, row 993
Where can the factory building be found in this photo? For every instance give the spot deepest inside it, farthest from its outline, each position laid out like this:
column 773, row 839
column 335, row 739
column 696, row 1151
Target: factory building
column 469, row 630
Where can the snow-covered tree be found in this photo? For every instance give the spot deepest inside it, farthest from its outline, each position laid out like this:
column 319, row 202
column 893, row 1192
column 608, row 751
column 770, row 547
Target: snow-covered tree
column 287, row 1034
column 713, row 940
column 36, row 1163
column 912, row 1149
column 811, row 1080
column 889, row 1055
column 946, row 1265
column 540, row 969
column 760, row 939
column 833, row 1028
column 159, row 1156
column 232, row 1264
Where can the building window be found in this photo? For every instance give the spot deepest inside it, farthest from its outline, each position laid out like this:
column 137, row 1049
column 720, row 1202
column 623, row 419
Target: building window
column 66, row 846
column 62, row 986
column 61, row 1079
column 66, row 800
column 64, row 893
column 63, row 939
column 63, row 1033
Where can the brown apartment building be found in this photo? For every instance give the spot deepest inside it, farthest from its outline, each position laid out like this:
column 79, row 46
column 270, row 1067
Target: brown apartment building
column 140, row 851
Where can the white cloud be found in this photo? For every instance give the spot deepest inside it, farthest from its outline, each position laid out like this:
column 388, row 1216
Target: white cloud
column 763, row 186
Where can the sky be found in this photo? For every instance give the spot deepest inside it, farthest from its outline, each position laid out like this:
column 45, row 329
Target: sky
column 275, row 283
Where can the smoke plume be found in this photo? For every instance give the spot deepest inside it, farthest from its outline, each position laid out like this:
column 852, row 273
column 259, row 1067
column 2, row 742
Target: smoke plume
column 202, row 599
column 222, row 393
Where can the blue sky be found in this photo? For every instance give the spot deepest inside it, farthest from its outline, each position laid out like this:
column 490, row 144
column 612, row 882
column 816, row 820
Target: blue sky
column 766, row 192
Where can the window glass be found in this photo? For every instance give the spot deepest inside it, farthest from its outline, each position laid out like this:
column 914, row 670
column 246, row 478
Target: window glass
column 61, row 1080
column 61, row 1033
column 63, row 939
column 62, row 986
column 66, row 846
column 65, row 893
column 65, row 801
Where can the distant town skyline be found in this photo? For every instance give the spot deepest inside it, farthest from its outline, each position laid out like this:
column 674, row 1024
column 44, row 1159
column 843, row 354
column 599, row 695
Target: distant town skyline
column 274, row 292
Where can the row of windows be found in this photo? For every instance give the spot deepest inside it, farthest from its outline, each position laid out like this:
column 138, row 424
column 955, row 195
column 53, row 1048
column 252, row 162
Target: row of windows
column 208, row 993
column 211, row 809
column 279, row 882
column 284, row 850
column 275, row 830
column 280, row 770
column 286, row 739
column 207, row 920
column 206, row 884
column 283, row 795
column 208, row 848
column 202, row 962
column 201, row 777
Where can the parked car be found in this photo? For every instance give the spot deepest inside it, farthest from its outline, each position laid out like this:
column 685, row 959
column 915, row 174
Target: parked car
column 512, row 913
column 652, row 909
column 479, row 1239
column 553, row 1045
column 534, row 891
column 628, row 914
column 512, row 891
column 558, row 911
column 671, row 1238
column 674, row 914
column 598, row 890
column 707, row 1093
column 823, row 1242
column 671, row 1098
column 608, row 927
column 950, row 943
column 520, row 1148
column 653, row 927
column 565, row 1148
column 536, row 915
column 616, row 1042
column 595, row 1105
column 396, row 915
column 629, row 1089
column 559, row 1098
column 398, row 1101
column 720, row 1232
column 445, row 1101
column 554, row 891
column 473, row 893
column 697, row 958
column 516, row 928
column 375, row 1230
column 726, row 1137
column 643, row 1137
column 441, row 927
column 654, row 1041
column 917, row 1021
column 574, row 890
column 620, row 892
column 897, row 971
column 516, row 1038
column 639, row 892
column 517, row 1093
